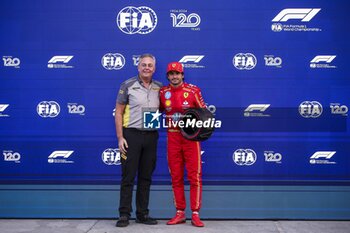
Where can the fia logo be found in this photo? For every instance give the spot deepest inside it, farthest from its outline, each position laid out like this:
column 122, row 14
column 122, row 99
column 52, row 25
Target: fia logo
column 244, row 61
column 137, row 20
column 277, row 27
column 113, row 61
column 244, row 157
column 111, row 156
column 48, row 109
column 310, row 109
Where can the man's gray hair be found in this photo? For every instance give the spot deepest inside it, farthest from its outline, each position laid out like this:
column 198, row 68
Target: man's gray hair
column 148, row 55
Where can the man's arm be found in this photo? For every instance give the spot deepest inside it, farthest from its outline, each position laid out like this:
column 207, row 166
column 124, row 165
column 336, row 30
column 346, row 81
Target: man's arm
column 119, row 111
column 199, row 98
column 122, row 100
column 161, row 106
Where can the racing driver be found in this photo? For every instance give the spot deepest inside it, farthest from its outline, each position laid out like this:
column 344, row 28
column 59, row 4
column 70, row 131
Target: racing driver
column 182, row 153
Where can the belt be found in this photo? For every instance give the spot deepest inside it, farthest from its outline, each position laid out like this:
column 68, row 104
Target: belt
column 142, row 131
column 174, row 130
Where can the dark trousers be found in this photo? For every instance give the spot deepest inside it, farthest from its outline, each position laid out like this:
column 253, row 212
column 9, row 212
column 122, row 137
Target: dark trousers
column 140, row 159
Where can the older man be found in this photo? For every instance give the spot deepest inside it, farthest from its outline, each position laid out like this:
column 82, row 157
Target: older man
column 138, row 147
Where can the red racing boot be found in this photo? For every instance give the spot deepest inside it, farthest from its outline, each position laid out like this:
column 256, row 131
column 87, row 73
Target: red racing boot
column 196, row 221
column 179, row 218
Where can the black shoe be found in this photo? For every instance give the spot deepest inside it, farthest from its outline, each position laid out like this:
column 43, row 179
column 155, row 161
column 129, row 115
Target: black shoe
column 123, row 221
column 146, row 220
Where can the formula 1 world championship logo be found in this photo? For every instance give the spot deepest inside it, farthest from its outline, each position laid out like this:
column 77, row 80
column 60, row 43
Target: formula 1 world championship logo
column 137, row 20
column 303, row 15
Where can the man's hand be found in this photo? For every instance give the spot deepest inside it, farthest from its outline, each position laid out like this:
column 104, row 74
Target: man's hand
column 123, row 145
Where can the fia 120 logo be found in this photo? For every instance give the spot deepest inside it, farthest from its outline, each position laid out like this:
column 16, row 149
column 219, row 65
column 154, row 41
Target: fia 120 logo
column 271, row 60
column 339, row 109
column 10, row 61
column 181, row 20
column 11, row 156
column 271, row 156
column 74, row 108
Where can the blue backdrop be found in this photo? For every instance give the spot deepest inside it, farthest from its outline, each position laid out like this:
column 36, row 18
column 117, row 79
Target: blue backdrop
column 274, row 71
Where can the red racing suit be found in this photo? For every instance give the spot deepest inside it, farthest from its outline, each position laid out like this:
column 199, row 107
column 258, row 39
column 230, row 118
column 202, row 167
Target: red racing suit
column 182, row 152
